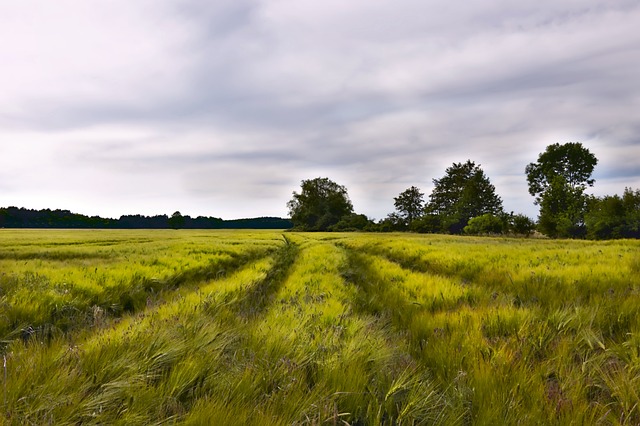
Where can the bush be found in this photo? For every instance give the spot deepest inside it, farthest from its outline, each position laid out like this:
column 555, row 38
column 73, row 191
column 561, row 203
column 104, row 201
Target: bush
column 427, row 224
column 485, row 224
column 352, row 222
column 520, row 224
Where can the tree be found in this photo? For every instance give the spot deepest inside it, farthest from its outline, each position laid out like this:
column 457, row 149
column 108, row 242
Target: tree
column 605, row 218
column 573, row 162
column 520, row 224
column 176, row 221
column 393, row 222
column 464, row 192
column 409, row 204
column 562, row 209
column 631, row 205
column 558, row 181
column 614, row 216
column 428, row 223
column 320, row 204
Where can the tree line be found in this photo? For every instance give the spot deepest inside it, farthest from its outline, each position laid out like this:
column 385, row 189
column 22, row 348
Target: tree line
column 464, row 201
column 14, row 217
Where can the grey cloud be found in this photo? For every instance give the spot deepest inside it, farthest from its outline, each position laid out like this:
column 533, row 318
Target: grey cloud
column 236, row 79
column 261, row 94
column 213, row 20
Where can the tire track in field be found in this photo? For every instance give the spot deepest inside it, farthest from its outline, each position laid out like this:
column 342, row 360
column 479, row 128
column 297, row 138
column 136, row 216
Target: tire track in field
column 193, row 276
column 416, row 263
column 221, row 312
column 386, row 300
column 484, row 285
column 241, row 300
column 245, row 298
column 143, row 353
column 389, row 297
column 429, row 345
column 466, row 273
column 194, row 349
column 312, row 347
column 137, row 295
column 261, row 295
column 140, row 355
column 467, row 278
column 375, row 296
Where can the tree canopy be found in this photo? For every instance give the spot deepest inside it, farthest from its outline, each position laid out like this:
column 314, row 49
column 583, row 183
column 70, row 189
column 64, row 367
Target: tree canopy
column 320, row 204
column 562, row 209
column 464, row 192
column 409, row 204
column 176, row 221
column 571, row 161
column 613, row 216
column 558, row 181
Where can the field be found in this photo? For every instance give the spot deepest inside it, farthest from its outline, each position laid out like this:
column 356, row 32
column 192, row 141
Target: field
column 272, row 328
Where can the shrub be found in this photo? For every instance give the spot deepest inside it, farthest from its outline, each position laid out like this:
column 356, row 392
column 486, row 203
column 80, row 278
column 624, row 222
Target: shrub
column 485, row 224
column 520, row 224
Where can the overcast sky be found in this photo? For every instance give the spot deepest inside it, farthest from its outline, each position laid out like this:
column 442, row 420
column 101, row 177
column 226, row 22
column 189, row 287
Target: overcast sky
column 220, row 108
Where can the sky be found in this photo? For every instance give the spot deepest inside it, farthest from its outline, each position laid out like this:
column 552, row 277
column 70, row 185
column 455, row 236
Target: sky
column 222, row 108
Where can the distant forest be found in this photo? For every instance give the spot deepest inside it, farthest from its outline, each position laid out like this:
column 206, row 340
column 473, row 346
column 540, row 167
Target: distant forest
column 14, row 217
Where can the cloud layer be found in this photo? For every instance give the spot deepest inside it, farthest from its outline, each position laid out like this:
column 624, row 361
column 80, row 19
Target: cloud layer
column 221, row 108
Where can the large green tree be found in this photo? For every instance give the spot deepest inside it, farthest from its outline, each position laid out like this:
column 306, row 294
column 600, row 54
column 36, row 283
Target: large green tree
column 320, row 204
column 409, row 204
column 558, row 181
column 571, row 161
column 464, row 192
column 562, row 209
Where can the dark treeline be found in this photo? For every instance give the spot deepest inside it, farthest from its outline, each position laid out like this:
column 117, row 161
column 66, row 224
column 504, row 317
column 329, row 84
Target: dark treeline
column 14, row 217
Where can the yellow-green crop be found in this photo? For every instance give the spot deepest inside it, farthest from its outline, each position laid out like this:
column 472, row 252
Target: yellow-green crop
column 239, row 327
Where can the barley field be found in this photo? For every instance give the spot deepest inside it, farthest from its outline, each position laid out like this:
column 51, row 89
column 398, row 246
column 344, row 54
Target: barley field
column 272, row 328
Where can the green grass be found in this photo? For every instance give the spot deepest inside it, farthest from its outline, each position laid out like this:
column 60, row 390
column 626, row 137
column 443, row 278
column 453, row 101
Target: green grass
column 239, row 327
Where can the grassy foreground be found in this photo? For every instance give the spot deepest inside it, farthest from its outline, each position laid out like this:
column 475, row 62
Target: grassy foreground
column 261, row 327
